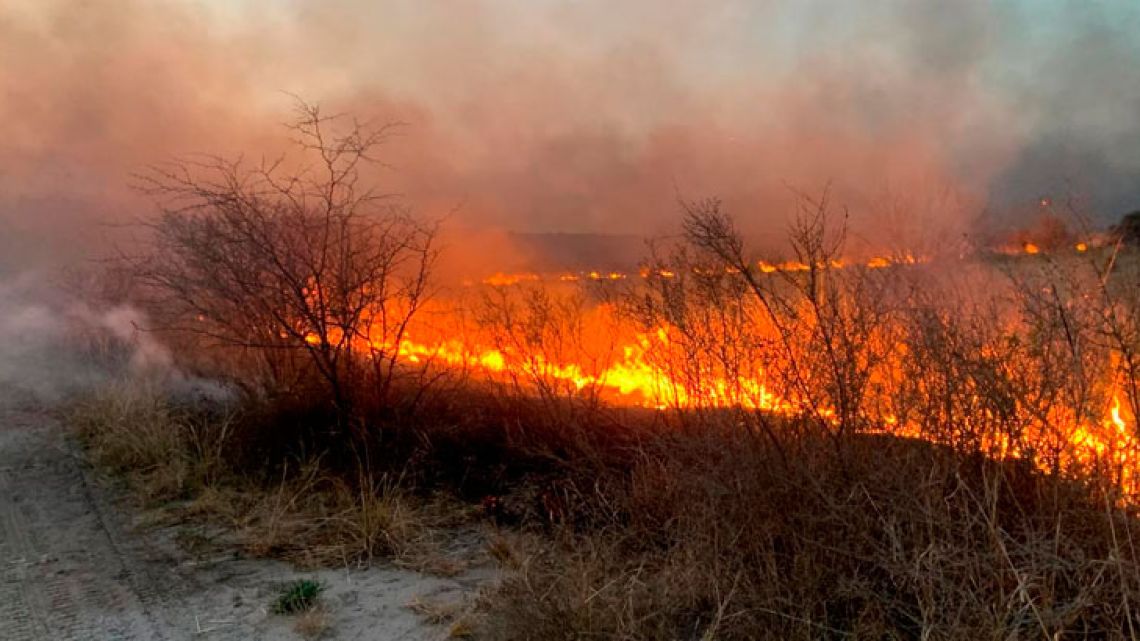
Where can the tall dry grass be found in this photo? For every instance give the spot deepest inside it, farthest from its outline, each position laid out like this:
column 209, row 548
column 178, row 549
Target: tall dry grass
column 719, row 536
column 132, row 428
column 187, row 464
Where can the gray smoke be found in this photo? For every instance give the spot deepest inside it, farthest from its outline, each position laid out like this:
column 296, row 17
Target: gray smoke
column 54, row 346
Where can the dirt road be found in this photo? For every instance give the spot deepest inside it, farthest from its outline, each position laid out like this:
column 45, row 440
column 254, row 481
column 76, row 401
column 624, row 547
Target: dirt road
column 72, row 568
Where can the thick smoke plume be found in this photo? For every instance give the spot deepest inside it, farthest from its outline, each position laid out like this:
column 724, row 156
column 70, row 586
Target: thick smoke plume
column 583, row 116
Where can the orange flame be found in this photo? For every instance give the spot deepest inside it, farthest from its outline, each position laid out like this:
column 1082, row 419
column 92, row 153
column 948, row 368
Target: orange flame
column 623, row 365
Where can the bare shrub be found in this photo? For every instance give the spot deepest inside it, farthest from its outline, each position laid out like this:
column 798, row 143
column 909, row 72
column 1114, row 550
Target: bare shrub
column 814, row 334
column 282, row 262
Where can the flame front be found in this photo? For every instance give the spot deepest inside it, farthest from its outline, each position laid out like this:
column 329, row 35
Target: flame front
column 594, row 351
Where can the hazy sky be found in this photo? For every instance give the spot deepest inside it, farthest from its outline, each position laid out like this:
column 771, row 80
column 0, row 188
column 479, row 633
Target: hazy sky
column 586, row 115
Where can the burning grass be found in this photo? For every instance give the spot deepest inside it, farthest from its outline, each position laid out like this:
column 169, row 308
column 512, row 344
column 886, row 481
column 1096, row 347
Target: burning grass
column 724, row 448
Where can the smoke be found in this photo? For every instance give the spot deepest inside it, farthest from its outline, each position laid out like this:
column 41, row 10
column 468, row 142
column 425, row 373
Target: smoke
column 55, row 346
column 1080, row 100
column 581, row 116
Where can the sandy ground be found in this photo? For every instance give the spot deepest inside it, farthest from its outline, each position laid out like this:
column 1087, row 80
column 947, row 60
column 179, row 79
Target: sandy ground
column 73, row 568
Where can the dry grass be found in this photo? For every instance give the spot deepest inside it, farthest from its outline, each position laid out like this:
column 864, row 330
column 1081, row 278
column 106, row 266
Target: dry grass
column 461, row 617
column 317, row 519
column 174, row 459
column 376, row 519
column 718, row 539
column 313, row 623
column 436, row 612
column 464, row 628
column 166, row 452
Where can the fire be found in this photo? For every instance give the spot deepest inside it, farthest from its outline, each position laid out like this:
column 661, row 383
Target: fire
column 500, row 279
column 629, row 379
column 1030, row 248
column 638, row 374
column 596, row 352
column 1115, row 415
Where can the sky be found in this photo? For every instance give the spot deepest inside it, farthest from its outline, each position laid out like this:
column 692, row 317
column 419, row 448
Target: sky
column 583, row 115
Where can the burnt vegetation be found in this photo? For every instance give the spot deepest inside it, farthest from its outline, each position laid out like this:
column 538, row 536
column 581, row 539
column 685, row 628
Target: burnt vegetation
column 922, row 451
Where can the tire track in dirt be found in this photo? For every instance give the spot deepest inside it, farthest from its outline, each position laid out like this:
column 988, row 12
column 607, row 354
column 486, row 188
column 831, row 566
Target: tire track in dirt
column 21, row 622
column 64, row 578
